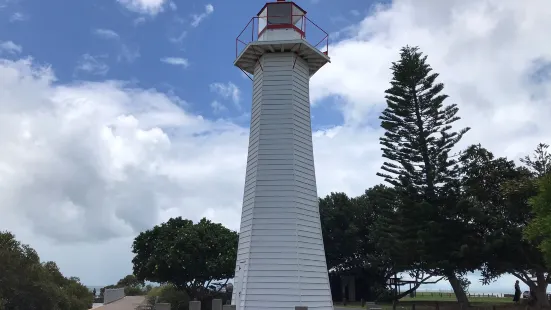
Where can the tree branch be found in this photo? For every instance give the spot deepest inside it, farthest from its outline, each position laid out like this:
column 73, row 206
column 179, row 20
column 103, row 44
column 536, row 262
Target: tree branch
column 223, row 285
column 416, row 286
column 523, row 277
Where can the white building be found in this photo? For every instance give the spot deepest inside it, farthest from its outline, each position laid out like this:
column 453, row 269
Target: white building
column 281, row 259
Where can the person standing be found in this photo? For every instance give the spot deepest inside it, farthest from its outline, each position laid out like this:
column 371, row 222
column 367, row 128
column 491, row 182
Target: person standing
column 516, row 298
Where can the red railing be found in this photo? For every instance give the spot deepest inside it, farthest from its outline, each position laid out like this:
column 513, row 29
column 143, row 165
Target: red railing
column 317, row 37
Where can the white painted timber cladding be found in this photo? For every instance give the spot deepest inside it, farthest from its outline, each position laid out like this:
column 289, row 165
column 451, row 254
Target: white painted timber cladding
column 281, row 259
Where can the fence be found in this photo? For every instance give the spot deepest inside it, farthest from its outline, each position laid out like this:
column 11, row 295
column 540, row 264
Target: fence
column 453, row 305
column 451, row 294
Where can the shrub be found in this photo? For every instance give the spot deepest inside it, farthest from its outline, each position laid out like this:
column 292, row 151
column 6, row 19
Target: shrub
column 179, row 300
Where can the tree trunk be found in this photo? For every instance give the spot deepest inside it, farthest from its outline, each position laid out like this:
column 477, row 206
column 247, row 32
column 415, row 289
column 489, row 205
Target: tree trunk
column 404, row 294
column 541, row 290
column 460, row 293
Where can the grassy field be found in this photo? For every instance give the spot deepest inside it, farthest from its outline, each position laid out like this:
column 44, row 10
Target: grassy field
column 437, row 296
column 475, row 299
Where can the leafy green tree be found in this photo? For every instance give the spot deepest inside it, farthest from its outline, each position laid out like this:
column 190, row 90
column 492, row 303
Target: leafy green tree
column 540, row 162
column 498, row 193
column 417, row 143
column 78, row 295
column 539, row 228
column 349, row 247
column 131, row 285
column 129, row 280
column 392, row 238
column 192, row 257
column 26, row 283
column 340, row 231
column 358, row 243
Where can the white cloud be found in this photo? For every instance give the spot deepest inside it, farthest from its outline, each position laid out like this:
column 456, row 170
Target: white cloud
column 138, row 21
column 218, row 107
column 128, row 53
column 18, row 17
column 484, row 51
column 150, row 7
column 92, row 65
column 227, row 91
column 198, row 18
column 172, row 6
column 8, row 47
column 179, row 38
column 106, row 34
column 101, row 161
column 176, row 61
column 125, row 52
column 92, row 154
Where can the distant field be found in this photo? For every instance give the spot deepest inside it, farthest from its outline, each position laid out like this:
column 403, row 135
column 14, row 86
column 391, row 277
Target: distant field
column 439, row 296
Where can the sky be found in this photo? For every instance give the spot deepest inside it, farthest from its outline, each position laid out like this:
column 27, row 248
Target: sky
column 116, row 115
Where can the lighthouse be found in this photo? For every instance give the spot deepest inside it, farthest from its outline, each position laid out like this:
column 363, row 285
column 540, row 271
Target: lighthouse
column 281, row 259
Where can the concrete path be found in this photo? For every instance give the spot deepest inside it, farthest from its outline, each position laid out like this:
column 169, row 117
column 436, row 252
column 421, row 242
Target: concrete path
column 127, row 303
column 130, row 303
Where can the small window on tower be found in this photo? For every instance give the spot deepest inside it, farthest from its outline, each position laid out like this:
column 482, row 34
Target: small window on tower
column 279, row 13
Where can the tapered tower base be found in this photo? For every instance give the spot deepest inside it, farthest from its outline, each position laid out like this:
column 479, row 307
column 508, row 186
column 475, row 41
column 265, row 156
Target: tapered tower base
column 281, row 259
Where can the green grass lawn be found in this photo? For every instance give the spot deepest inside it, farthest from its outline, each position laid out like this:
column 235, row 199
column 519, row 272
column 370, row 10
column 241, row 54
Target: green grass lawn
column 437, row 296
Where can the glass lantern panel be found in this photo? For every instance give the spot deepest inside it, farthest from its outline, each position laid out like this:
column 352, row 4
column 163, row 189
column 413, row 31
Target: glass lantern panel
column 262, row 20
column 297, row 16
column 279, row 13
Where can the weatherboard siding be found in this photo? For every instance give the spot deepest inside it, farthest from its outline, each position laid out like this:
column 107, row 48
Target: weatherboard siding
column 281, row 260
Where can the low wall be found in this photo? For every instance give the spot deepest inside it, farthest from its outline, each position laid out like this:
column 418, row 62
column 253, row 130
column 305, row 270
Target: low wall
column 112, row 294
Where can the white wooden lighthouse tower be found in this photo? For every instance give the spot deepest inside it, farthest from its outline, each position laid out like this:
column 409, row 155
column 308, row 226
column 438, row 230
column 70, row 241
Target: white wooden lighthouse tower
column 281, row 259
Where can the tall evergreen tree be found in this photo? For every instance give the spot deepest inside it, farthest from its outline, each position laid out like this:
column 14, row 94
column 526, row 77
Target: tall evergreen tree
column 417, row 143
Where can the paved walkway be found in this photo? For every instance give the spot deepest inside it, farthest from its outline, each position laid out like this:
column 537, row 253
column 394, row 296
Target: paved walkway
column 127, row 303
column 130, row 303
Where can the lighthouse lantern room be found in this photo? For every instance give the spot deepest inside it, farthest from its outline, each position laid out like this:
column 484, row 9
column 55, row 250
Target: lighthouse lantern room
column 281, row 20
column 281, row 27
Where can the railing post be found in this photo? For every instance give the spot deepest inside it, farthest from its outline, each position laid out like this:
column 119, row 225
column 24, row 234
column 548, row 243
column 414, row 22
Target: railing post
column 304, row 22
column 163, row 306
column 194, row 305
column 216, row 304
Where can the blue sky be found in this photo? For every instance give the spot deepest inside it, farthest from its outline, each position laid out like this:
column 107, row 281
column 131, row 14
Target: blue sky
column 141, row 97
column 128, row 45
